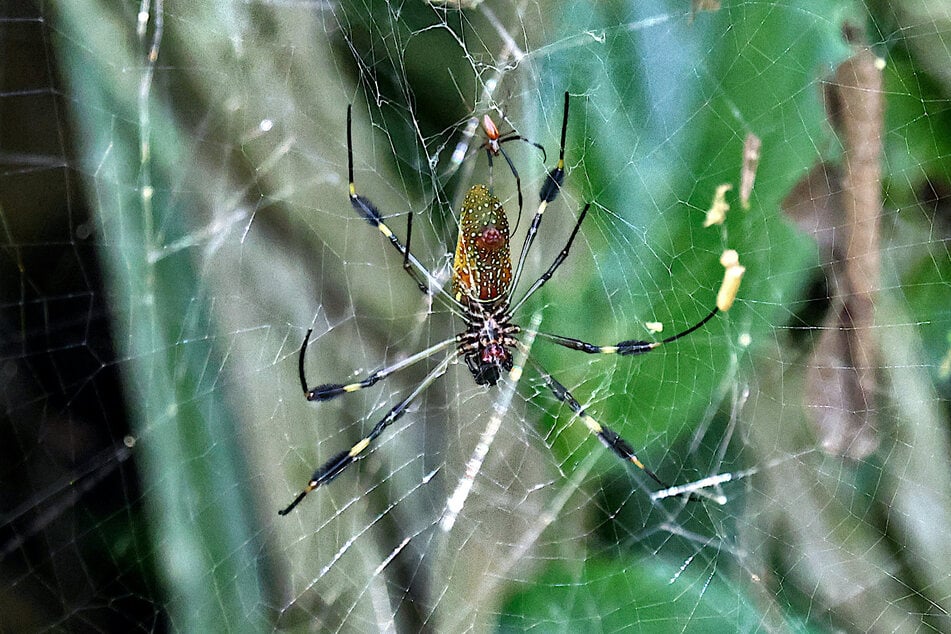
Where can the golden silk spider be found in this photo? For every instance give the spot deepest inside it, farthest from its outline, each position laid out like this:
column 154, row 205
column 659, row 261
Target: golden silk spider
column 482, row 286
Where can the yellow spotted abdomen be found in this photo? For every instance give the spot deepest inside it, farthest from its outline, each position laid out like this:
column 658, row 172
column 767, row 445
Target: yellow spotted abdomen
column 482, row 268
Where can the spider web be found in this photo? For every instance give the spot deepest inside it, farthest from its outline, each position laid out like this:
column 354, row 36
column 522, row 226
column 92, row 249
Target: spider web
column 174, row 217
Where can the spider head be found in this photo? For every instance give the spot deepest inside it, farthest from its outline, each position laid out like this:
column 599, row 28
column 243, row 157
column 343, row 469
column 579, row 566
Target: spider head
column 491, row 135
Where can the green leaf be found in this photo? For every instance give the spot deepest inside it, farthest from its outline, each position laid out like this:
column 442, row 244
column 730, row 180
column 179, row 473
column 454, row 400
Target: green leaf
column 197, row 498
column 646, row 595
column 662, row 111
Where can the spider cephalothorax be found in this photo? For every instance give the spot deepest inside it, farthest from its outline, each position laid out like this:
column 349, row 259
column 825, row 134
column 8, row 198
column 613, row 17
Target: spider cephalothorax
column 486, row 344
column 482, row 286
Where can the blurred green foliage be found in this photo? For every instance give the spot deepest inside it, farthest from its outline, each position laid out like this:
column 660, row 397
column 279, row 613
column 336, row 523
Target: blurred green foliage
column 205, row 240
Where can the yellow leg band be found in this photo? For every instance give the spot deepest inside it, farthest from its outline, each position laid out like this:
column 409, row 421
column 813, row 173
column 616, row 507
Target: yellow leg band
column 359, row 447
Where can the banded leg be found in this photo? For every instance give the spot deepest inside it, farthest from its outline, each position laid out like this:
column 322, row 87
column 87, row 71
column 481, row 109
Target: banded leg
column 544, row 277
column 556, row 176
column 608, row 437
column 493, row 147
column 547, row 194
column 327, row 391
column 624, row 348
column 732, row 276
column 336, row 465
column 362, row 205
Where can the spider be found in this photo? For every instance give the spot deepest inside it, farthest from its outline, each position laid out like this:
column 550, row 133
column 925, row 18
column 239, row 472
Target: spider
column 482, row 286
column 493, row 147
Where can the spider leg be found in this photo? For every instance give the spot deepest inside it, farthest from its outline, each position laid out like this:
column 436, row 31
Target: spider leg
column 556, row 176
column 732, row 275
column 608, row 437
column 421, row 275
column 336, row 465
column 624, row 348
column 327, row 391
column 505, row 138
column 518, row 183
column 544, row 277
column 549, row 191
column 511, row 135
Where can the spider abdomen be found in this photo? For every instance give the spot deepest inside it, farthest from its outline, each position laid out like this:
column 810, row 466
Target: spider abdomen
column 482, row 268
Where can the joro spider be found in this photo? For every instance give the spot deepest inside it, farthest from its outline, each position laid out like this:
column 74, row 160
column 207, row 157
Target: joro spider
column 482, row 286
column 493, row 147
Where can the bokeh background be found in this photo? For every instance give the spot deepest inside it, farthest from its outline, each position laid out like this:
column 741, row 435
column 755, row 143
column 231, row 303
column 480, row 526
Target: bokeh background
column 174, row 217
